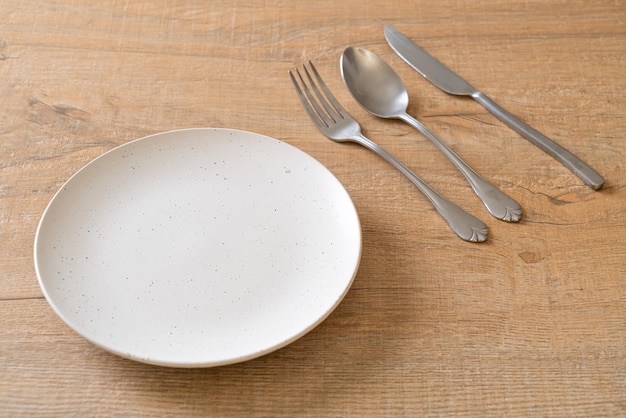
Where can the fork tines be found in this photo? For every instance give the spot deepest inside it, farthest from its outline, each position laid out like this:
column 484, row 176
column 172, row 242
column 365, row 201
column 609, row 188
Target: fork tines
column 330, row 111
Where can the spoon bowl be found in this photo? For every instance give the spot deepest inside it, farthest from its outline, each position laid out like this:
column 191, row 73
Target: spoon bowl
column 379, row 89
column 373, row 83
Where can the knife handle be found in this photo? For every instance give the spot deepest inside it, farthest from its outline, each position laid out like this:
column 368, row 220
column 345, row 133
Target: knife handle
column 569, row 160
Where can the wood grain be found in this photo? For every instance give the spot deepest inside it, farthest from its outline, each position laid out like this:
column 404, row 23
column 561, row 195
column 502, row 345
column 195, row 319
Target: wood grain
column 530, row 323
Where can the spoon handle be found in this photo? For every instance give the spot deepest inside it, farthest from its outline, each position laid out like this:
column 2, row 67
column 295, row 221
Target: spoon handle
column 465, row 225
column 497, row 203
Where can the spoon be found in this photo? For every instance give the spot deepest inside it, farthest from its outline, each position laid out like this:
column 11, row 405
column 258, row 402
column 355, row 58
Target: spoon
column 378, row 89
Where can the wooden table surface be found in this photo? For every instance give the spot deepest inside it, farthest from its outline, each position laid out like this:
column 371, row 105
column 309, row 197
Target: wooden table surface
column 530, row 323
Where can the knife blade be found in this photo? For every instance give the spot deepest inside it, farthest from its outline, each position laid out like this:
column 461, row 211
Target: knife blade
column 448, row 81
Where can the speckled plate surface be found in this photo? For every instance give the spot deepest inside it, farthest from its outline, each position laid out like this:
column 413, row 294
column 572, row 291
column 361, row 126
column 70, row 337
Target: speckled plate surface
column 198, row 247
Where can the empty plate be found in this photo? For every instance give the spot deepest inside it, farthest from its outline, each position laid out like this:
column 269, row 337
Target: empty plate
column 198, row 247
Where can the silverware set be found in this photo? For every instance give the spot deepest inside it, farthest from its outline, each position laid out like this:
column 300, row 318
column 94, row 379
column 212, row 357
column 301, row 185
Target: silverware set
column 380, row 91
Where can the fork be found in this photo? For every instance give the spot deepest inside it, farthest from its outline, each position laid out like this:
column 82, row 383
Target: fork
column 337, row 124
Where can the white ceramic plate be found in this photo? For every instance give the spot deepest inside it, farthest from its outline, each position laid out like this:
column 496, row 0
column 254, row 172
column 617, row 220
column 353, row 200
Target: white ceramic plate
column 198, row 247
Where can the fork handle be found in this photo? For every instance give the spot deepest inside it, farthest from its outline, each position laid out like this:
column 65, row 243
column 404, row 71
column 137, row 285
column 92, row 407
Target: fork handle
column 465, row 225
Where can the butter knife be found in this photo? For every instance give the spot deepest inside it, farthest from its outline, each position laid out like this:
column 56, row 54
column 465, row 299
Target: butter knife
column 444, row 78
